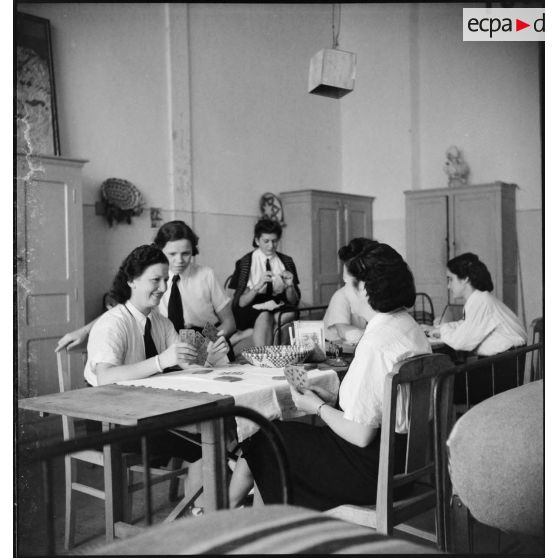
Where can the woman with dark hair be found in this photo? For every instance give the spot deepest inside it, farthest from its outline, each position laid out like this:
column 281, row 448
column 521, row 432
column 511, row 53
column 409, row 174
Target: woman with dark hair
column 489, row 326
column 131, row 341
column 263, row 280
column 342, row 320
column 193, row 296
column 338, row 464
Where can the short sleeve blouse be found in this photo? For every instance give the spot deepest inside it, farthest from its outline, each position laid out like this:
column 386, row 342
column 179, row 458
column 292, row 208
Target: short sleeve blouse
column 202, row 296
column 388, row 339
column 117, row 338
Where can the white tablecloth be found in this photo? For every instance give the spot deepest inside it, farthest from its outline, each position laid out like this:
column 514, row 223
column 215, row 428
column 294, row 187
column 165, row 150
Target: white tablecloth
column 257, row 389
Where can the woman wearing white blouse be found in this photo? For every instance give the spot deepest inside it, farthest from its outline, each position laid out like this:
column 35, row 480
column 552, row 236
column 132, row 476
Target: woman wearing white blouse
column 338, row 463
column 489, row 326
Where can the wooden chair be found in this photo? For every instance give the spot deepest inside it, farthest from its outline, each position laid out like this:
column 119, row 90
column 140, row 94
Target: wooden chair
column 131, row 464
column 418, row 372
column 423, row 309
column 534, row 362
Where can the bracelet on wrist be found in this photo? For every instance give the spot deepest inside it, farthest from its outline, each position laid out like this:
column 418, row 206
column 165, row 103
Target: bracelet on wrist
column 319, row 409
column 158, row 364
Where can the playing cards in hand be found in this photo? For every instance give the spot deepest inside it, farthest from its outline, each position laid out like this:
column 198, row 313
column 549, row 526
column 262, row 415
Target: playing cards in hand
column 199, row 340
column 296, row 376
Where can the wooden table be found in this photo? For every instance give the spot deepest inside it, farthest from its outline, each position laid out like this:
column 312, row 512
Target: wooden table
column 129, row 406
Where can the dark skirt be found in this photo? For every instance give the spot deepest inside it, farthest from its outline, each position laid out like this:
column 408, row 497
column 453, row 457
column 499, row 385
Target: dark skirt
column 325, row 470
column 162, row 445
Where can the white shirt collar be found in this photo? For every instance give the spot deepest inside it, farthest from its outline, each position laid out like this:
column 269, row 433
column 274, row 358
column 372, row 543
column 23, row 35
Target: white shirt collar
column 260, row 257
column 138, row 316
column 188, row 272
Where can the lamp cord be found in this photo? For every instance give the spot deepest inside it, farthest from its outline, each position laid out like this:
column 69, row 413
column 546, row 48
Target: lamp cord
column 334, row 34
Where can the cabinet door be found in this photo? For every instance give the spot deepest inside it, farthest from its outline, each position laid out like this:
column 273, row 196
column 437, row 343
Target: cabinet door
column 49, row 272
column 427, row 246
column 358, row 219
column 476, row 228
column 328, row 235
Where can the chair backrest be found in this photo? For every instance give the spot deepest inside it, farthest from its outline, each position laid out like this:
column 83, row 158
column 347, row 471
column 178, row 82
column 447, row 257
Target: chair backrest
column 416, row 375
column 423, row 309
column 63, row 362
column 227, row 281
column 534, row 361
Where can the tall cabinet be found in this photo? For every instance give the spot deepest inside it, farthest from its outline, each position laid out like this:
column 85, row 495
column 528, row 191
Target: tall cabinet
column 318, row 223
column 445, row 222
column 49, row 257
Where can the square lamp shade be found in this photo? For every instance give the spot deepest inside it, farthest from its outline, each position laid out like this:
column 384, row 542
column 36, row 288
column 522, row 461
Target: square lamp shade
column 332, row 73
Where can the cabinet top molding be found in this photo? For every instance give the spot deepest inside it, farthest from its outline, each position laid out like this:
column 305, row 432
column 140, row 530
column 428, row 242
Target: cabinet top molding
column 34, row 157
column 498, row 184
column 331, row 193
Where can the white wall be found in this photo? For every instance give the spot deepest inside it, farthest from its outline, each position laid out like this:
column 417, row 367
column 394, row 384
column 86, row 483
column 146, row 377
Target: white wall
column 254, row 127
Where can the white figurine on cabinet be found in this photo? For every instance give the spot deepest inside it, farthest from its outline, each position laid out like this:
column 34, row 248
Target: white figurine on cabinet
column 456, row 168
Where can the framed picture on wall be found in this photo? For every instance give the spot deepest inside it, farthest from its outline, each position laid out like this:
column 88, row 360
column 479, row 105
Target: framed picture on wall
column 37, row 124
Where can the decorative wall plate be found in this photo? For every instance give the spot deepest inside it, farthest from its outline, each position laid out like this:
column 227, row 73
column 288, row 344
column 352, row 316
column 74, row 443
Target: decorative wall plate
column 271, row 207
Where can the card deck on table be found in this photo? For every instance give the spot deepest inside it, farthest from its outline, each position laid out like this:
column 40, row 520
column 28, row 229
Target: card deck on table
column 296, row 376
column 210, row 331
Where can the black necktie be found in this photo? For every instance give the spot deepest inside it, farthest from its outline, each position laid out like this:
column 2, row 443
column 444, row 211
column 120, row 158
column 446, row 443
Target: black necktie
column 269, row 286
column 176, row 313
column 150, row 349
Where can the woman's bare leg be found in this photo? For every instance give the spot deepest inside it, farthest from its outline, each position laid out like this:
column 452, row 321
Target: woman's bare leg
column 193, row 481
column 242, row 482
column 263, row 329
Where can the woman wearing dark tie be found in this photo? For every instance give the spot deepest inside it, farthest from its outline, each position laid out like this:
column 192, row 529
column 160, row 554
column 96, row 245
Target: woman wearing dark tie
column 131, row 341
column 263, row 280
column 194, row 297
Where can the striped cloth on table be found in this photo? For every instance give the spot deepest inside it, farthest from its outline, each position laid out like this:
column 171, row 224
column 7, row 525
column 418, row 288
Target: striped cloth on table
column 275, row 529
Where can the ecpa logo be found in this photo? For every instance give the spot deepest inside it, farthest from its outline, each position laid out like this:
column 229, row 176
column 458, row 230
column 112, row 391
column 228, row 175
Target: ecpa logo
column 503, row 24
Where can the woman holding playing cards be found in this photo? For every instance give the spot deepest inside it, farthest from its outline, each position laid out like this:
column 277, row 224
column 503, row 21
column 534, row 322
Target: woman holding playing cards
column 338, row 464
column 264, row 280
column 131, row 341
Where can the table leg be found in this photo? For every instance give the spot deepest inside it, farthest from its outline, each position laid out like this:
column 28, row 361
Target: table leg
column 114, row 485
column 214, row 463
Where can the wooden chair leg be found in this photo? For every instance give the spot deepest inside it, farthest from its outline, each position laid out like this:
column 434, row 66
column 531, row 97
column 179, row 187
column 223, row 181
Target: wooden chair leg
column 175, row 464
column 460, row 528
column 127, row 496
column 70, row 470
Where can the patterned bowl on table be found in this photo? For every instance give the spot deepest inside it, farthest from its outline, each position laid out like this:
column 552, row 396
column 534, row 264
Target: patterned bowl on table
column 277, row 356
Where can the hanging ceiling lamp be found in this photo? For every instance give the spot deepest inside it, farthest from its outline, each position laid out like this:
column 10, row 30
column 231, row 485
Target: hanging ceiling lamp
column 332, row 71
